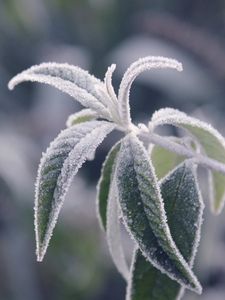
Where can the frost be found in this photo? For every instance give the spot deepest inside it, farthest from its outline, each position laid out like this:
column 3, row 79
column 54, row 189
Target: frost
column 137, row 182
column 113, row 232
column 108, row 210
column 82, row 116
column 72, row 80
column 162, row 217
column 139, row 66
column 108, row 83
column 211, row 141
column 180, row 187
column 59, row 164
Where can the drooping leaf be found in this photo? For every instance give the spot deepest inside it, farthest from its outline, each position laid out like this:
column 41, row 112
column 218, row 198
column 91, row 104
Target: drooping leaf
column 164, row 160
column 212, row 142
column 71, row 80
column 135, row 69
column 184, row 207
column 103, row 186
column 144, row 214
column 113, row 231
column 81, row 116
column 59, row 164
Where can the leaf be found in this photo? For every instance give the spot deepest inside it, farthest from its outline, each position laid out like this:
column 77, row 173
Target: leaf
column 139, row 66
column 58, row 165
column 211, row 140
column 108, row 210
column 164, row 160
column 184, row 208
column 113, row 231
column 71, row 80
column 104, row 185
column 81, row 116
column 144, row 214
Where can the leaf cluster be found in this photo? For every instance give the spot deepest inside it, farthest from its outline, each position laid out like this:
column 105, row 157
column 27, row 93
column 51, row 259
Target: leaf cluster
column 148, row 182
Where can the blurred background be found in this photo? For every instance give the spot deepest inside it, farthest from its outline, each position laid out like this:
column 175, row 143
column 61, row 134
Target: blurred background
column 93, row 34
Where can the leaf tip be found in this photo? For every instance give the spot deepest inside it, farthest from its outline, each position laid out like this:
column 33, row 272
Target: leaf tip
column 11, row 84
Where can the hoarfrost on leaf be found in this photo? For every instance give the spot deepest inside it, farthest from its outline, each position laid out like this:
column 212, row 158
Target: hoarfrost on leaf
column 71, row 80
column 147, row 222
column 184, row 208
column 211, row 141
column 139, row 66
column 163, row 217
column 59, row 164
column 108, row 210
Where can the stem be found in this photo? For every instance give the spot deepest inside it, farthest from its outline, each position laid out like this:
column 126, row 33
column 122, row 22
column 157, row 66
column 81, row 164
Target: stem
column 183, row 151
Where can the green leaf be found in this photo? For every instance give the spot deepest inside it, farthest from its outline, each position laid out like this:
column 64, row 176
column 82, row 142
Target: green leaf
column 108, row 210
column 217, row 191
column 104, row 185
column 113, row 231
column 81, row 116
column 164, row 160
column 184, row 207
column 59, row 164
column 212, row 142
column 144, row 214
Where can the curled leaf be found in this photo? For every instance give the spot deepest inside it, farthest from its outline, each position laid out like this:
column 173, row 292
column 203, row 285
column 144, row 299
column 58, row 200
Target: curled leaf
column 135, row 69
column 59, row 164
column 144, row 215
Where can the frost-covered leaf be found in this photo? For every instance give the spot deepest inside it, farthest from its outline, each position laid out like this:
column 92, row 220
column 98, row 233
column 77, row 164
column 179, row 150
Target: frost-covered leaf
column 59, row 164
column 212, row 142
column 184, row 207
column 108, row 83
column 141, row 65
column 108, row 210
column 113, row 231
column 164, row 160
column 72, row 80
column 104, row 185
column 82, row 116
column 144, row 214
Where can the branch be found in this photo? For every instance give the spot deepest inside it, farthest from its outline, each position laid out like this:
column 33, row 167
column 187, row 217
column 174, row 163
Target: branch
column 183, row 151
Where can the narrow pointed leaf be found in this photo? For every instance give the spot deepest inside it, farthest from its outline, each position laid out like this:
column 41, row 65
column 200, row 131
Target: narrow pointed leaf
column 81, row 116
column 212, row 142
column 113, row 232
column 104, row 185
column 59, row 164
column 71, row 80
column 184, row 207
column 144, row 214
column 164, row 160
